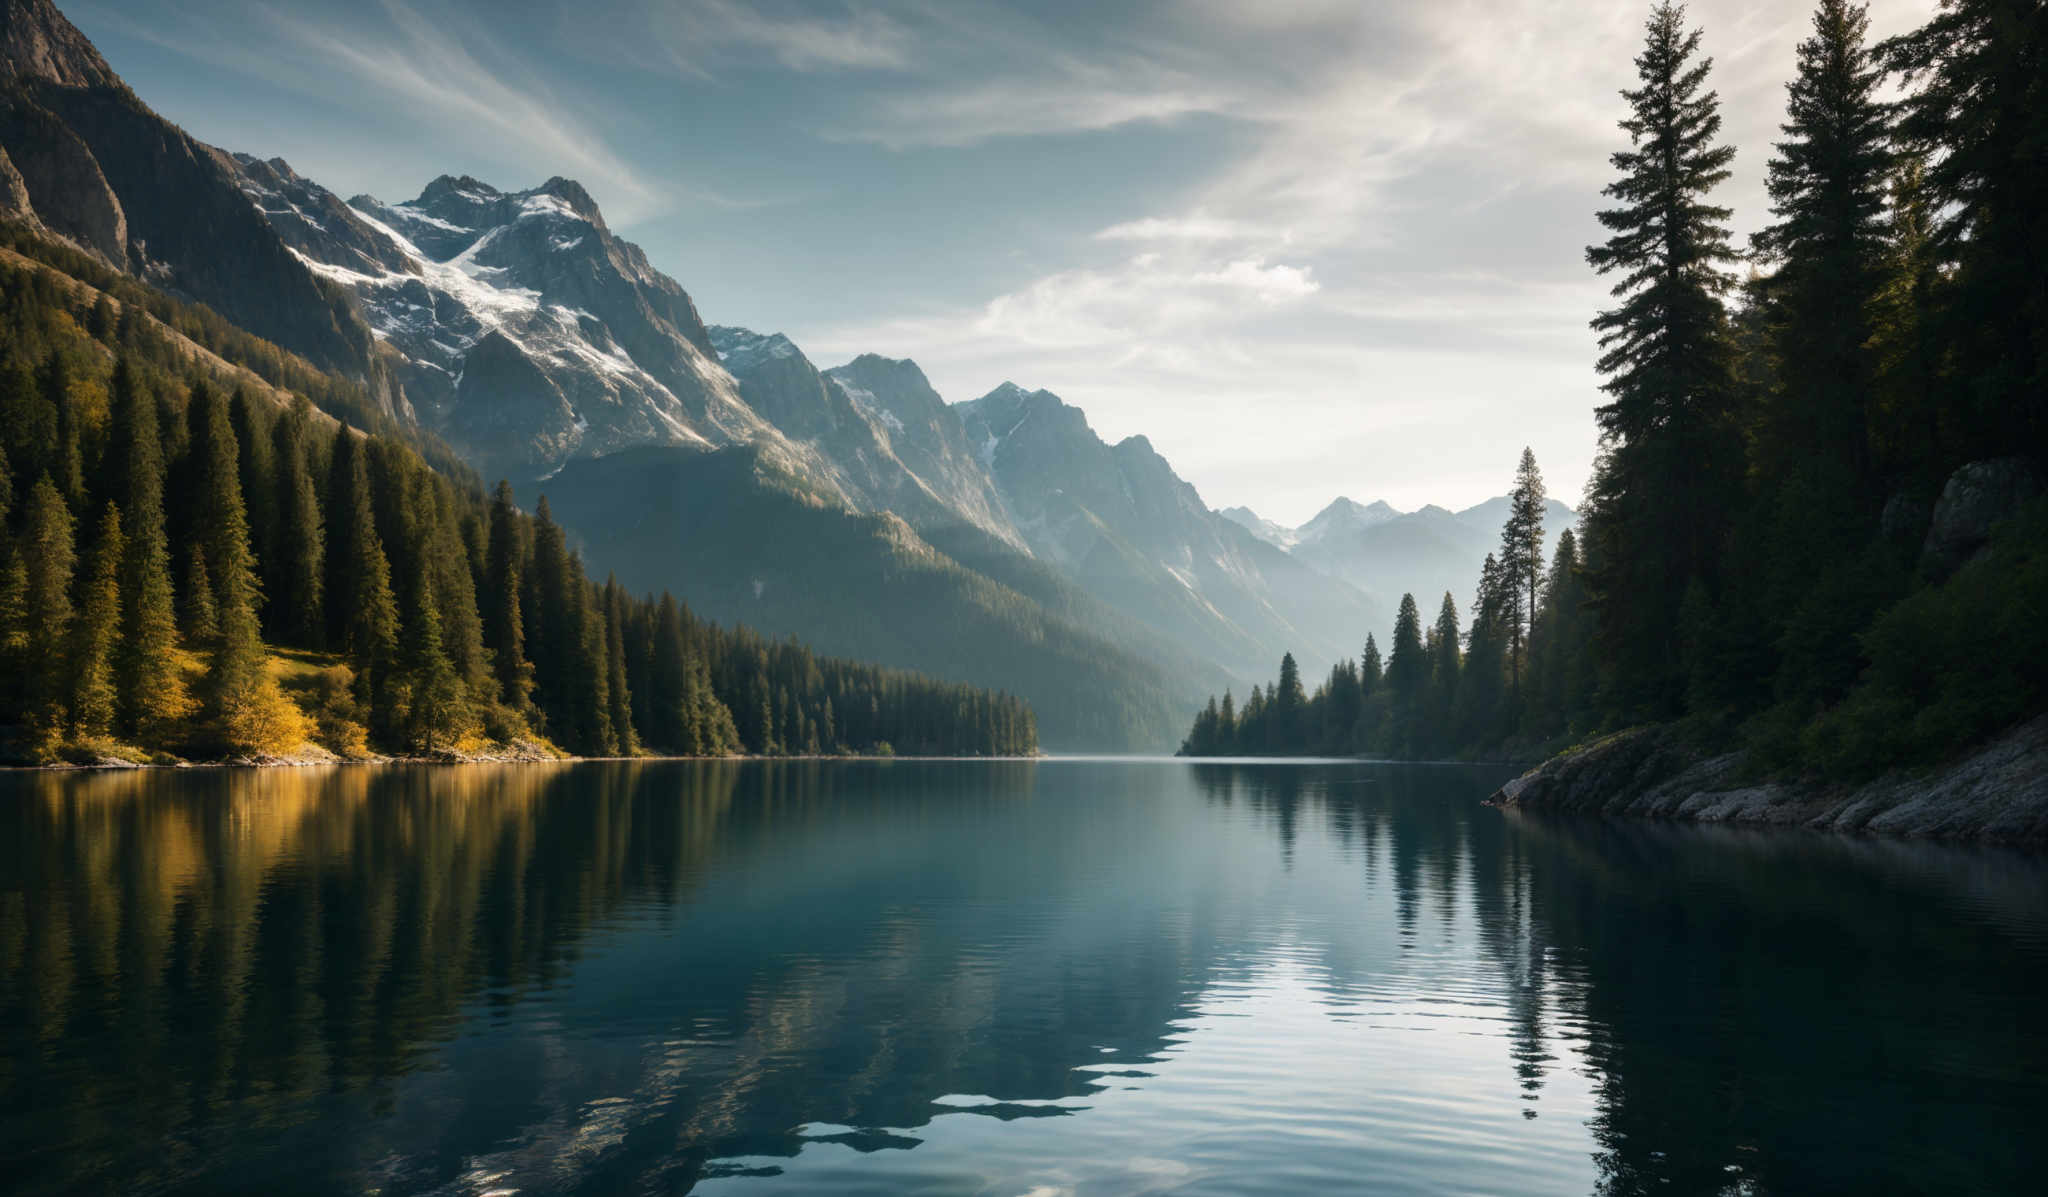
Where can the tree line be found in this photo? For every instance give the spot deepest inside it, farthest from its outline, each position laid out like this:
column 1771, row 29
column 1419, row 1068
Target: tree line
column 1751, row 556
column 192, row 569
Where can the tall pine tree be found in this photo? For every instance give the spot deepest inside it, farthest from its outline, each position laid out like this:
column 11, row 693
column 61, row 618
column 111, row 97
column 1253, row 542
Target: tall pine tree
column 48, row 553
column 96, row 636
column 149, row 680
column 1673, row 467
column 1827, row 187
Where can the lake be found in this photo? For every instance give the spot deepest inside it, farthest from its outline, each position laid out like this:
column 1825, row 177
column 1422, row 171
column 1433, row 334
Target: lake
column 1020, row 979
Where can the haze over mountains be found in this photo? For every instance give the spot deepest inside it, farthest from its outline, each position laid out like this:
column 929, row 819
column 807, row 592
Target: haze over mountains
column 1387, row 553
column 997, row 540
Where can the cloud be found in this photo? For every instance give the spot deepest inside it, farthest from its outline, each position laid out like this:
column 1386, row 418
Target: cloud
column 1080, row 98
column 1195, row 226
column 698, row 33
column 456, row 79
column 1265, row 283
column 435, row 70
column 1133, row 303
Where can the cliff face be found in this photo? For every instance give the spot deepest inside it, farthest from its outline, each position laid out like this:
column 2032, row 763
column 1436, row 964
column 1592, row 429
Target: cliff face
column 1996, row 792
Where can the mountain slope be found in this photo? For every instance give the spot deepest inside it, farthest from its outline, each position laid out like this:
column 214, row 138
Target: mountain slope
column 876, row 426
column 529, row 333
column 88, row 160
column 1131, row 532
column 745, row 541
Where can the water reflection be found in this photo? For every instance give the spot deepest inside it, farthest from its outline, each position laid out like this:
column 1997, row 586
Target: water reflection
column 843, row 977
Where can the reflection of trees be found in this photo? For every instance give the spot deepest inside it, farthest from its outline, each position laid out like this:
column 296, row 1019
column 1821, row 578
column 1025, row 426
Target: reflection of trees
column 1801, row 1013
column 232, row 970
column 178, row 951
column 1764, row 1011
column 204, row 974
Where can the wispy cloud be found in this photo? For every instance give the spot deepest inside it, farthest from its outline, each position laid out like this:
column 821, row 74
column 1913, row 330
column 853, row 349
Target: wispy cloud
column 1195, row 226
column 440, row 73
column 696, row 35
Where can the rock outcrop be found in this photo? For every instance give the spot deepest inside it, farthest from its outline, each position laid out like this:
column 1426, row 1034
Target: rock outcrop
column 1996, row 792
column 1976, row 498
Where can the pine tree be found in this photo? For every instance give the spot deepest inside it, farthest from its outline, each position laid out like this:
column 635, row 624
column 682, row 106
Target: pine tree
column 557, row 625
column 14, row 630
column 671, row 723
column 1672, row 470
column 242, row 699
column 1521, row 561
column 1289, row 713
column 619, row 696
column 67, row 468
column 96, row 636
column 1827, row 187
column 48, row 556
column 201, row 613
column 1446, row 661
column 593, row 700
column 149, row 682
column 428, row 709
column 1978, row 116
column 1910, row 431
column 300, row 572
column 28, row 424
column 462, row 629
column 504, row 618
column 1408, row 669
column 251, row 421
column 362, row 612
column 1481, row 702
column 1559, row 656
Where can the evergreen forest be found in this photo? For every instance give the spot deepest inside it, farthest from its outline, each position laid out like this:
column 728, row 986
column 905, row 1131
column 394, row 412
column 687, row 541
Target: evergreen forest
column 214, row 550
column 1816, row 528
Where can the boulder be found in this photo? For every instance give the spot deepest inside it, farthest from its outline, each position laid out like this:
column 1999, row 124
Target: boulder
column 1976, row 498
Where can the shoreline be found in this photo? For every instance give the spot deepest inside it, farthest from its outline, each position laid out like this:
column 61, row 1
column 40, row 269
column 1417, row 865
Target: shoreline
column 1996, row 792
column 333, row 762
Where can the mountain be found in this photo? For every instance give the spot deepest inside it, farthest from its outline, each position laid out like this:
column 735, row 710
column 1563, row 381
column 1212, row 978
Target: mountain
column 886, row 439
column 1259, row 526
column 82, row 157
column 1133, row 533
column 529, row 334
column 519, row 330
column 744, row 540
column 1342, row 518
column 1426, row 552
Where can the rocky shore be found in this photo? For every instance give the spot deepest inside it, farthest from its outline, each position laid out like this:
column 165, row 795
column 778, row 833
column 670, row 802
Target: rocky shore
column 1997, row 792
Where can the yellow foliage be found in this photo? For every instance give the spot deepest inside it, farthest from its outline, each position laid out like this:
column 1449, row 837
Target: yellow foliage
column 261, row 721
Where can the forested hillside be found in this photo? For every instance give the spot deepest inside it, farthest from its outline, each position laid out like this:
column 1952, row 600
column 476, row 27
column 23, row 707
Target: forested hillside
column 197, row 560
column 749, row 542
column 1816, row 527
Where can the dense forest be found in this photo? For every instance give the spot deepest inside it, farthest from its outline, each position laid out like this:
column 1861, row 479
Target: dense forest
column 198, row 560
column 1815, row 529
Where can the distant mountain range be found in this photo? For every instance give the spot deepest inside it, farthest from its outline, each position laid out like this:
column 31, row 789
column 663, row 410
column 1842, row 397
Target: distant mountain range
column 1386, row 553
column 998, row 541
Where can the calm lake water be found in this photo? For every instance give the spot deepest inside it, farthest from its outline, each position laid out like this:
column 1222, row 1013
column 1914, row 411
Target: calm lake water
column 1003, row 978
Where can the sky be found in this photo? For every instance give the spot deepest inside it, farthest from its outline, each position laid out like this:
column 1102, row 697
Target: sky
column 1312, row 248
